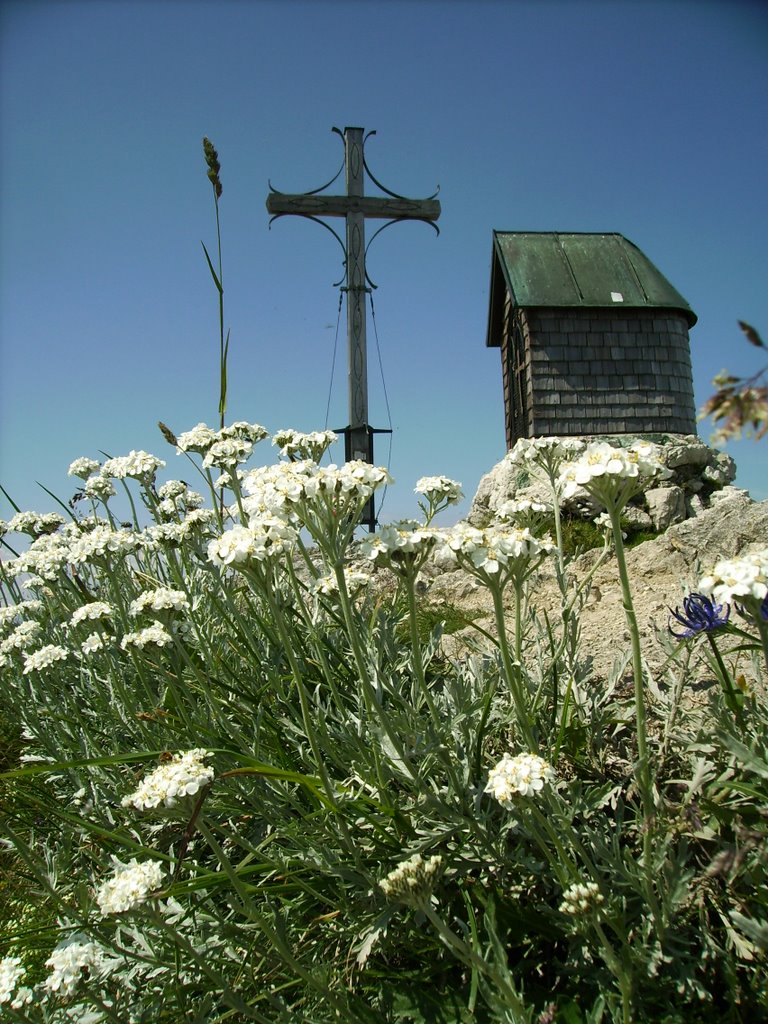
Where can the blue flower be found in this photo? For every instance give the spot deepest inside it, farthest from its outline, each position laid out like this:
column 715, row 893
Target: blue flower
column 699, row 614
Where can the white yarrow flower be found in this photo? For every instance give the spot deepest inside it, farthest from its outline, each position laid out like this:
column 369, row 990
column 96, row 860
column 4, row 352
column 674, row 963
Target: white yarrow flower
column 137, row 465
column 34, row 523
column 159, row 600
column 131, row 885
column 83, row 467
column 68, row 962
column 198, row 439
column 522, row 775
column 499, row 549
column 439, row 489
column 413, row 880
column 23, row 636
column 581, row 898
column 184, row 776
column 92, row 643
column 606, row 472
column 11, row 971
column 91, row 611
column 353, row 578
column 294, row 444
column 99, row 487
column 396, row 541
column 38, row 661
column 738, row 579
column 151, row 635
column 227, row 453
column 265, row 537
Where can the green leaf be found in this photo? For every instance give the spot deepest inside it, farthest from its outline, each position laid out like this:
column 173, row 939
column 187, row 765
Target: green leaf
column 13, row 504
column 757, row 931
column 213, row 272
column 87, row 762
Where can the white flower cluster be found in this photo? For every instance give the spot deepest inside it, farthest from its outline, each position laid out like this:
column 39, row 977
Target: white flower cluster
column 356, row 479
column 413, row 880
column 224, row 448
column 23, row 636
column 399, row 541
column 496, row 548
column 265, row 537
column 34, row 523
column 522, row 775
column 99, row 488
column 176, row 498
column 160, row 534
column 745, row 577
column 9, row 613
column 284, row 488
column 40, row 660
column 278, row 488
column 159, row 600
column 99, row 541
column 150, row 635
column 67, row 963
column 198, row 439
column 137, row 465
column 11, row 972
column 184, row 776
column 172, row 489
column 521, row 506
column 353, row 578
column 92, row 643
column 91, row 611
column 130, row 885
column 439, row 490
column 294, row 444
column 544, row 452
column 581, row 898
column 600, row 464
column 45, row 557
column 83, row 467
column 227, row 453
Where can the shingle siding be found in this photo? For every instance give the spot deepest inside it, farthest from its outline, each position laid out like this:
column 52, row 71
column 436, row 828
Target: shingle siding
column 589, row 372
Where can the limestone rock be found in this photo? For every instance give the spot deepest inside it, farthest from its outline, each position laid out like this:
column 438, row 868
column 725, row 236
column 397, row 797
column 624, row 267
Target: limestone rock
column 694, row 469
column 720, row 471
column 666, row 506
column 660, row 571
column 637, row 518
column 689, row 452
column 728, row 494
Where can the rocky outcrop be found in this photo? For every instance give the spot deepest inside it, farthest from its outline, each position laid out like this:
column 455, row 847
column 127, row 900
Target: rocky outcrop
column 697, row 473
column 661, row 571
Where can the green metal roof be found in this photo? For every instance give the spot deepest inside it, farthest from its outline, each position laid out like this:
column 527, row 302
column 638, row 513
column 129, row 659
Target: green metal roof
column 575, row 270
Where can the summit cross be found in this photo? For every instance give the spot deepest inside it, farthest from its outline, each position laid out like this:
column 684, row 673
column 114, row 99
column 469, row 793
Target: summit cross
column 355, row 207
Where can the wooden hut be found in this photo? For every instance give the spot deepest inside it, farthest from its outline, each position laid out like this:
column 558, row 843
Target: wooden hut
column 593, row 338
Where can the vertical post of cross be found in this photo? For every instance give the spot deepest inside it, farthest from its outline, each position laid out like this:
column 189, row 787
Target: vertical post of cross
column 358, row 438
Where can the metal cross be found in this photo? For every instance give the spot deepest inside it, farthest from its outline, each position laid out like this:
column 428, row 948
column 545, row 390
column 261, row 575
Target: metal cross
column 355, row 207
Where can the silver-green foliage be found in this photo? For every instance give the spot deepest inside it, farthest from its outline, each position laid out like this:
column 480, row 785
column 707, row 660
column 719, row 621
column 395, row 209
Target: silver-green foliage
column 552, row 847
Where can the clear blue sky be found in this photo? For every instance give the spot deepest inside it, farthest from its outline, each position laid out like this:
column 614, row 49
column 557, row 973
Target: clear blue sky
column 649, row 119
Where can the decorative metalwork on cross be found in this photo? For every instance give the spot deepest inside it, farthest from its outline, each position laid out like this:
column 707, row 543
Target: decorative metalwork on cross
column 355, row 207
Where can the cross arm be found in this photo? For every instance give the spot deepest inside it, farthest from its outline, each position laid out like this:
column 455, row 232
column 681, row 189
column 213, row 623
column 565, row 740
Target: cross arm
column 279, row 203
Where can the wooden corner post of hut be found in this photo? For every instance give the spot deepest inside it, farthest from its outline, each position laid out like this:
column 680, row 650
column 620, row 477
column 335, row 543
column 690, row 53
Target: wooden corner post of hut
column 593, row 338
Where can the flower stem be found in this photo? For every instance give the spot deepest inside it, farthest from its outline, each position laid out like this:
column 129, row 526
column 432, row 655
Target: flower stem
column 512, row 669
column 469, row 956
column 725, row 679
column 643, row 769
